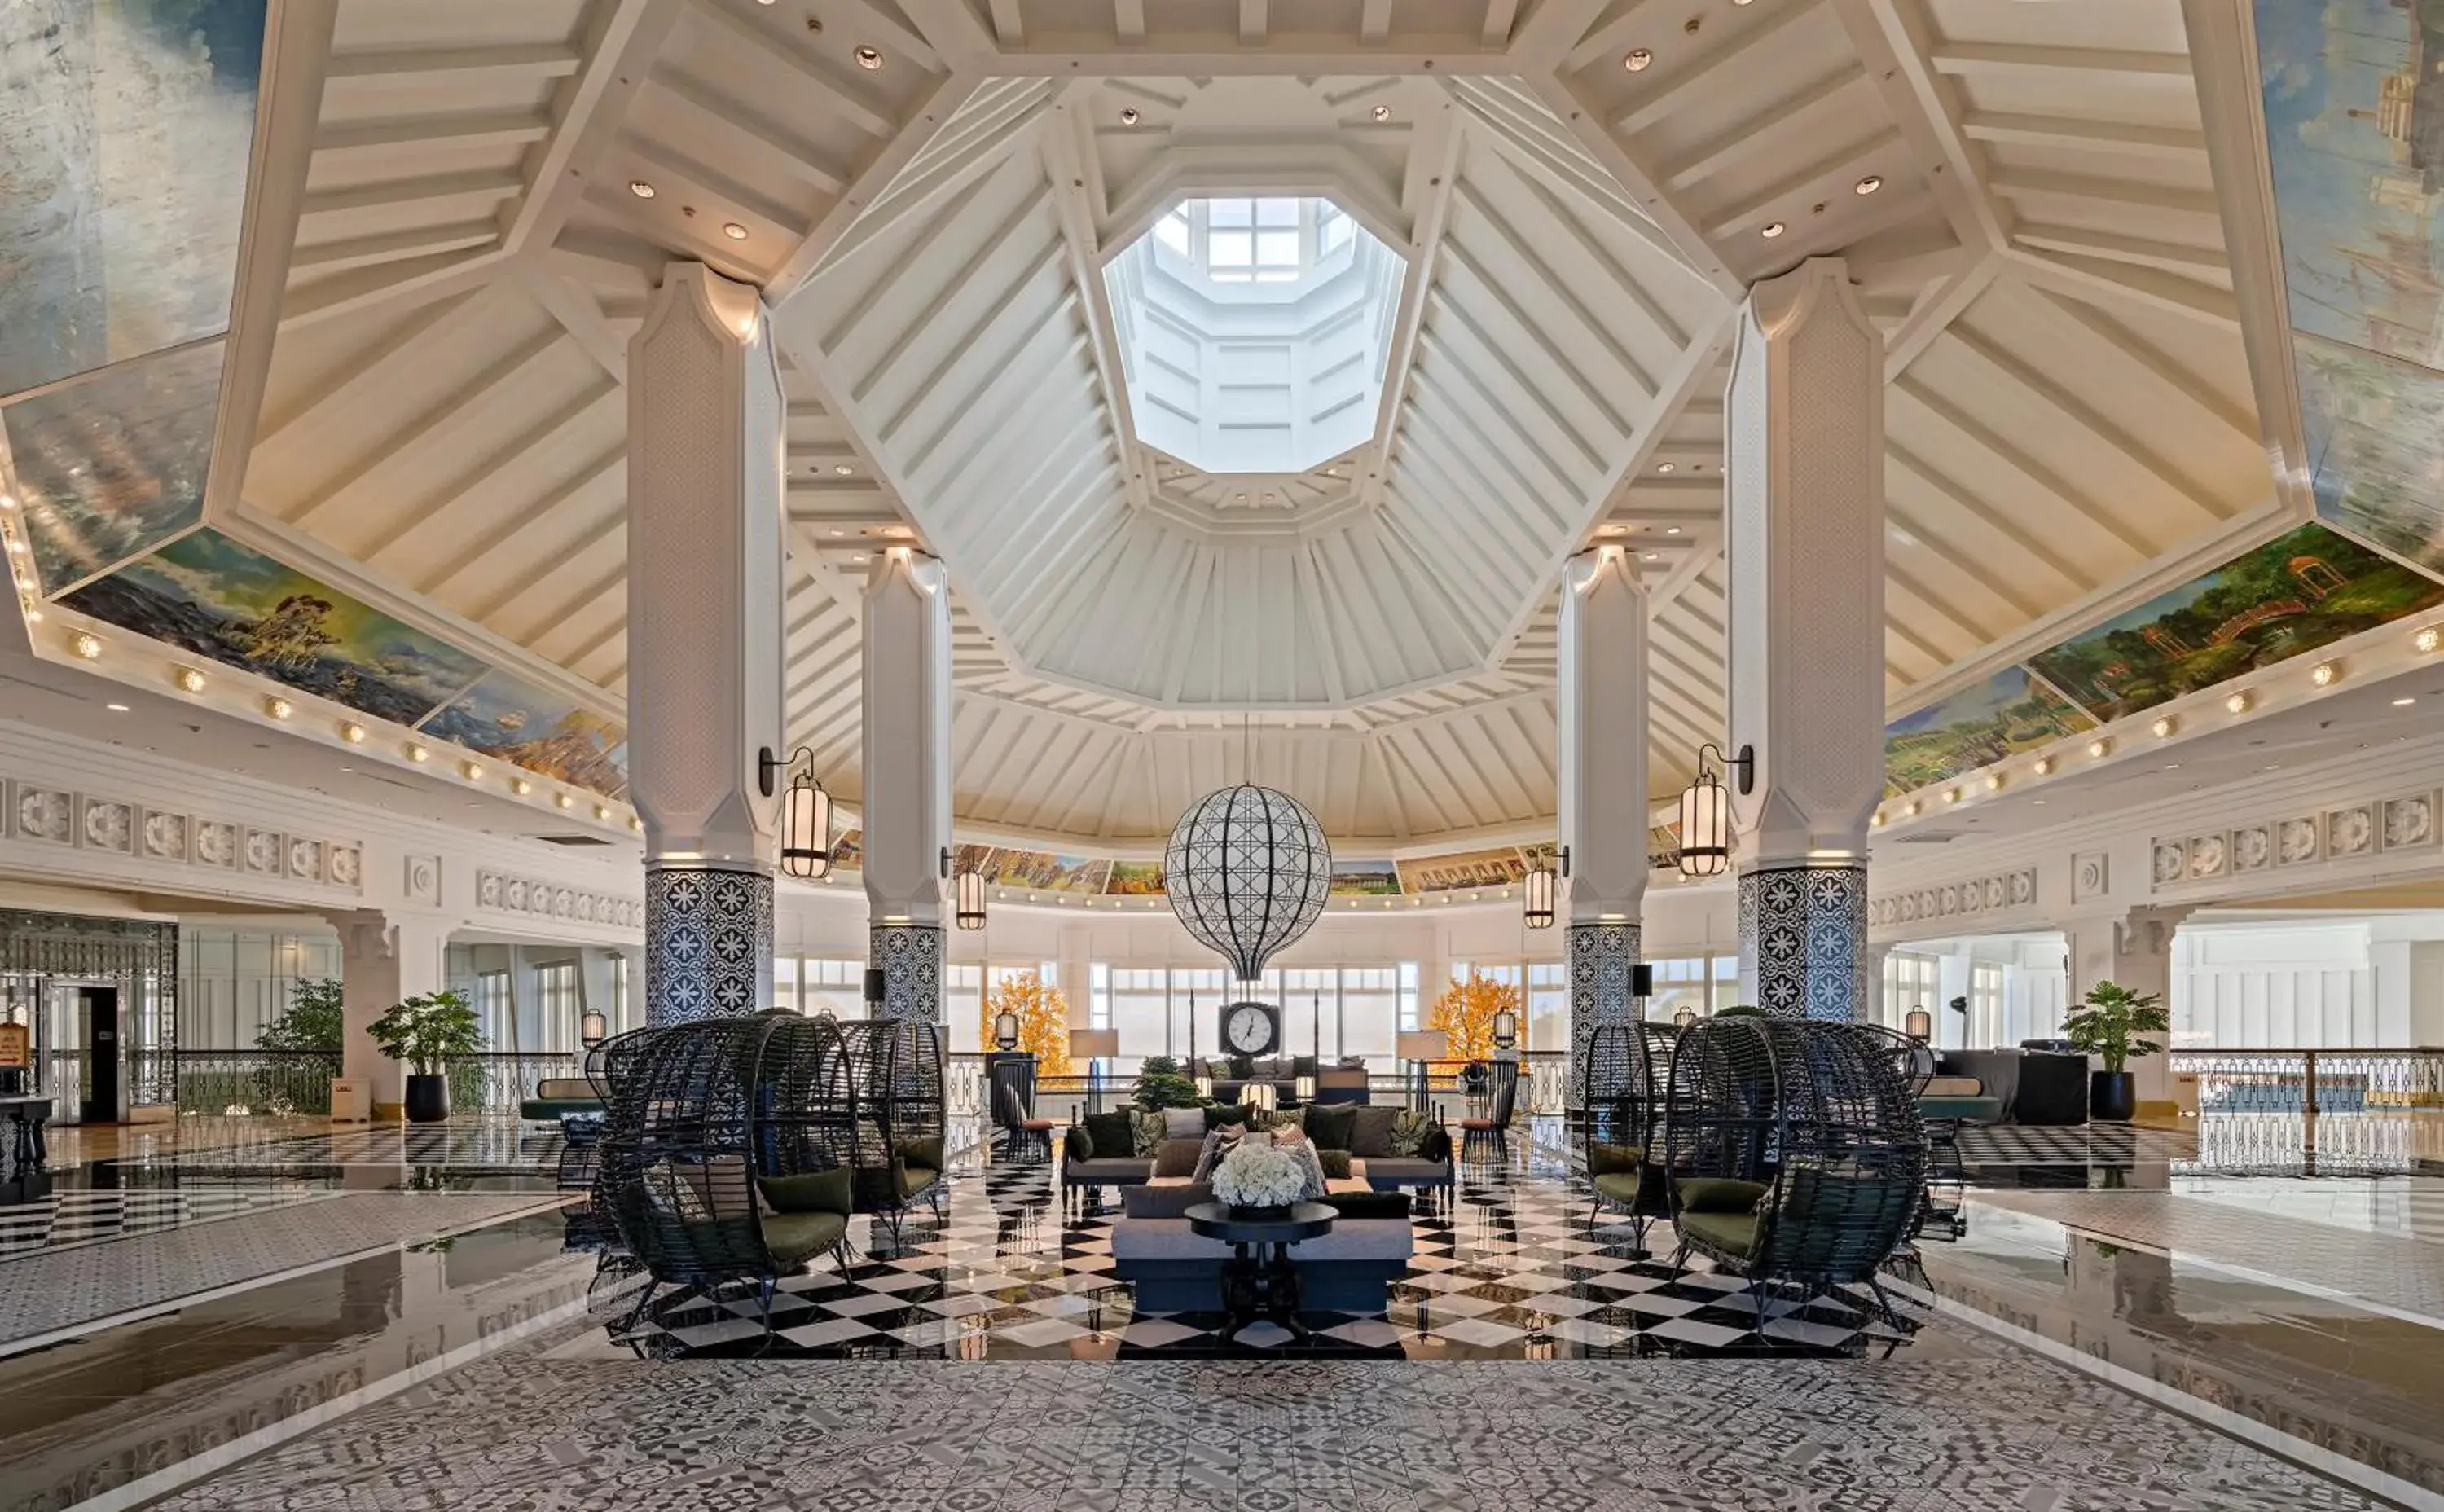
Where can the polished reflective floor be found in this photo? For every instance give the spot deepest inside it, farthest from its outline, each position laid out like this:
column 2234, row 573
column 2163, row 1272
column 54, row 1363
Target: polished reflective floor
column 291, row 1316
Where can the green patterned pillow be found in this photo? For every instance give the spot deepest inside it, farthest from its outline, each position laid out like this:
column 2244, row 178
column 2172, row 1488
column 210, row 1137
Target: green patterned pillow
column 1409, row 1131
column 1149, row 1126
column 1283, row 1118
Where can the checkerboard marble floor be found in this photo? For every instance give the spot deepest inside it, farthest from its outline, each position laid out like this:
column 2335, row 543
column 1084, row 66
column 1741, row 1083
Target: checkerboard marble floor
column 82, row 1216
column 1505, row 1268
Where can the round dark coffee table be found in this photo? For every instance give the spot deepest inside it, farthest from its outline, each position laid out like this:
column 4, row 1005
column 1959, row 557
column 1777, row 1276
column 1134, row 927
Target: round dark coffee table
column 1258, row 1281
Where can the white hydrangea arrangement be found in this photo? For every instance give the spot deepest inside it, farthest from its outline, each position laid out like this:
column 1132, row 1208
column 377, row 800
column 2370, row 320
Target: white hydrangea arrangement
column 1260, row 1177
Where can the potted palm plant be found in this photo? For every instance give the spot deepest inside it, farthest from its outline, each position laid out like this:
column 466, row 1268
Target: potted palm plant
column 2108, row 1026
column 424, row 1032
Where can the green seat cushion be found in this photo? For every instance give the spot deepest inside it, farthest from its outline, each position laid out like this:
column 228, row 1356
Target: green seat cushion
column 1602, row 1158
column 1616, row 1185
column 1719, row 1194
column 1330, row 1124
column 814, row 1191
column 915, row 1178
column 1113, row 1138
column 543, row 1109
column 922, row 1151
column 1982, row 1109
column 792, row 1237
column 1732, row 1233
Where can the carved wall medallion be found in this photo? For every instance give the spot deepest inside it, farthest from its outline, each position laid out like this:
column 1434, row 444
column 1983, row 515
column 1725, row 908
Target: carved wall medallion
column 305, row 861
column 2409, row 822
column 2350, row 832
column 164, row 837
column 2208, row 854
column 216, row 843
column 109, row 826
column 2089, row 876
column 346, row 866
column 2298, row 841
column 2252, row 849
column 2172, row 862
column 45, row 814
column 261, row 852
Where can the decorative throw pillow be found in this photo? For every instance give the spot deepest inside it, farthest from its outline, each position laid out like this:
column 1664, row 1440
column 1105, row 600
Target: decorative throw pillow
column 1353, row 1062
column 1243, row 1067
column 1370, row 1132
column 1220, row 1142
column 1328, row 1124
column 1183, row 1123
column 1147, row 1128
column 1177, row 1157
column 1281, row 1119
column 1217, row 1115
column 1113, row 1134
column 1335, row 1162
column 1409, row 1131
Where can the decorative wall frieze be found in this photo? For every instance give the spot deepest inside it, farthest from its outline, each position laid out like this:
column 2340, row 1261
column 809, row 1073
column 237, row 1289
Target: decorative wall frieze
column 1974, row 898
column 2344, row 833
column 535, row 898
column 45, row 814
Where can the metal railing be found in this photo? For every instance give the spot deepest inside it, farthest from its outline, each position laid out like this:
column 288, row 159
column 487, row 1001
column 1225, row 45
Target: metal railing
column 2314, row 1082
column 277, row 1083
column 1544, row 1087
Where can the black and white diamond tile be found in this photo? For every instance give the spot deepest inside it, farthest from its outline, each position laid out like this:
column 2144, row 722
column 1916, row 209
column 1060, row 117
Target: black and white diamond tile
column 81, row 1216
column 1506, row 1270
column 708, row 943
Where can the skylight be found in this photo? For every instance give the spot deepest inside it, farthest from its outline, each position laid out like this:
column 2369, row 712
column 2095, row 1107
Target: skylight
column 1253, row 331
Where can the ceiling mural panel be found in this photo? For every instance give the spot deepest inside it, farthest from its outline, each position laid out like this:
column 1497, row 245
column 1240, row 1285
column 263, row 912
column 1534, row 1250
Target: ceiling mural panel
column 124, row 132
column 112, row 464
column 2357, row 162
column 1982, row 724
column 512, row 720
column 221, row 600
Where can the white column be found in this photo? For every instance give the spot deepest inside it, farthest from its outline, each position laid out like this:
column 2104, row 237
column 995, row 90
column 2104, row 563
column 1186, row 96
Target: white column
column 704, row 639
column 384, row 959
column 1600, row 768
column 1805, row 491
column 2133, row 949
column 907, row 801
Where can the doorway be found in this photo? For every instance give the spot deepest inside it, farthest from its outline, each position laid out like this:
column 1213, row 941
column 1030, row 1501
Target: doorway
column 98, row 1017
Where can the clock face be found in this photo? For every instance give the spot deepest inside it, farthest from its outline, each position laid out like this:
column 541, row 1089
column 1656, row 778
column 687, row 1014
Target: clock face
column 1247, row 1028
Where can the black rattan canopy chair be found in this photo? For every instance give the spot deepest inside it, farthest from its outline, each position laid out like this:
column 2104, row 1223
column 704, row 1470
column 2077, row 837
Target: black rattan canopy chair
column 889, row 1122
column 1625, row 1086
column 703, row 1119
column 1799, row 1152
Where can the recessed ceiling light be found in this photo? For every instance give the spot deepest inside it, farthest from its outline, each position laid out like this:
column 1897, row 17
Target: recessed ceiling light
column 2326, row 674
column 635, row 823
column 840, row 532
column 116, row 708
column 640, row 189
column 417, row 753
column 1869, row 185
column 1654, row 556
column 1773, row 229
column 471, row 771
column 1129, row 115
column 189, row 680
column 1912, row 808
column 2171, row 766
column 859, row 557
column 2403, row 703
column 601, row 811
column 1381, row 112
column 2043, row 765
column 1994, row 781
column 843, row 469
column 278, row 708
column 2427, row 639
column 2164, row 726
column 1671, row 529
column 1951, row 795
column 521, row 786
column 733, row 230
column 1616, row 529
column 352, row 732
column 868, row 59
column 1639, row 61
column 16, row 545
column 1666, row 467
column 2237, row 703
column 8, row 500
column 2099, row 748
column 87, row 646
column 560, row 800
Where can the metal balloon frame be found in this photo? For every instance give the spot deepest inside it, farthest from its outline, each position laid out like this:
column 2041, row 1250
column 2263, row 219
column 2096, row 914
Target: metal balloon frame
column 1247, row 870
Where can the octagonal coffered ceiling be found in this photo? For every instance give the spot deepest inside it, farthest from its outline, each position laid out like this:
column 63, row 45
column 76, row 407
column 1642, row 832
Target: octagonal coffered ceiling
column 457, row 212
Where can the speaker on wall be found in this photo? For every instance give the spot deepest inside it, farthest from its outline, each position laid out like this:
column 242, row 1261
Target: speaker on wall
column 1642, row 981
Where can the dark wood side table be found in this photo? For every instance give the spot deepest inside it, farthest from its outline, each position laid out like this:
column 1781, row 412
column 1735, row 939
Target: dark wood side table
column 1258, row 1281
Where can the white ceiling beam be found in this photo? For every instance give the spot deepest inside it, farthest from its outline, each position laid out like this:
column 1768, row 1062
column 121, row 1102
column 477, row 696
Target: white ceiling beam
column 475, row 473
column 511, row 524
column 2112, row 138
column 498, row 128
column 788, row 219
column 1590, row 44
column 972, row 147
column 1962, row 563
column 541, row 60
column 1895, row 44
column 753, row 136
column 1009, row 23
column 481, row 187
column 1977, row 508
column 296, row 51
column 573, row 305
column 1374, row 23
column 1557, row 287
column 1428, row 205
column 2034, row 183
column 1076, row 176
column 2135, row 348
column 1695, row 80
column 937, row 105
column 1500, row 15
column 2044, row 477
column 1256, row 23
column 622, row 37
column 836, row 89
column 2088, row 278
column 1755, row 209
column 1746, row 140
column 1585, row 122
column 362, row 372
column 1934, row 314
column 391, row 246
column 418, row 281
column 2093, row 65
column 1128, row 20
column 479, row 394
column 2206, row 263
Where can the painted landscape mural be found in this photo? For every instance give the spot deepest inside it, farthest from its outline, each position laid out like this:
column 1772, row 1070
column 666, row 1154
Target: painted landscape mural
column 127, row 127
column 511, row 720
column 2354, row 104
column 111, row 465
column 2008, row 713
column 2306, row 588
column 217, row 598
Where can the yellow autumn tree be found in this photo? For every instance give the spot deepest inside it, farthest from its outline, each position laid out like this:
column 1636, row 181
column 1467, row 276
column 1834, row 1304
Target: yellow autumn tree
column 1465, row 1014
column 1043, row 1021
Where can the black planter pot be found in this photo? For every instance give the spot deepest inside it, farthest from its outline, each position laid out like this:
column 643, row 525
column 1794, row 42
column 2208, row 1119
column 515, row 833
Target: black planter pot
column 2112, row 1095
column 428, row 1098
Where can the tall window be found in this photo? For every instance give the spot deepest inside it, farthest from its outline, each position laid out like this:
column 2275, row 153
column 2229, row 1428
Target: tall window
column 833, row 987
column 1681, row 982
column 1254, row 241
column 1912, row 982
column 556, row 991
column 1985, row 1006
column 492, row 1010
column 620, row 993
column 784, row 982
column 1547, row 1025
